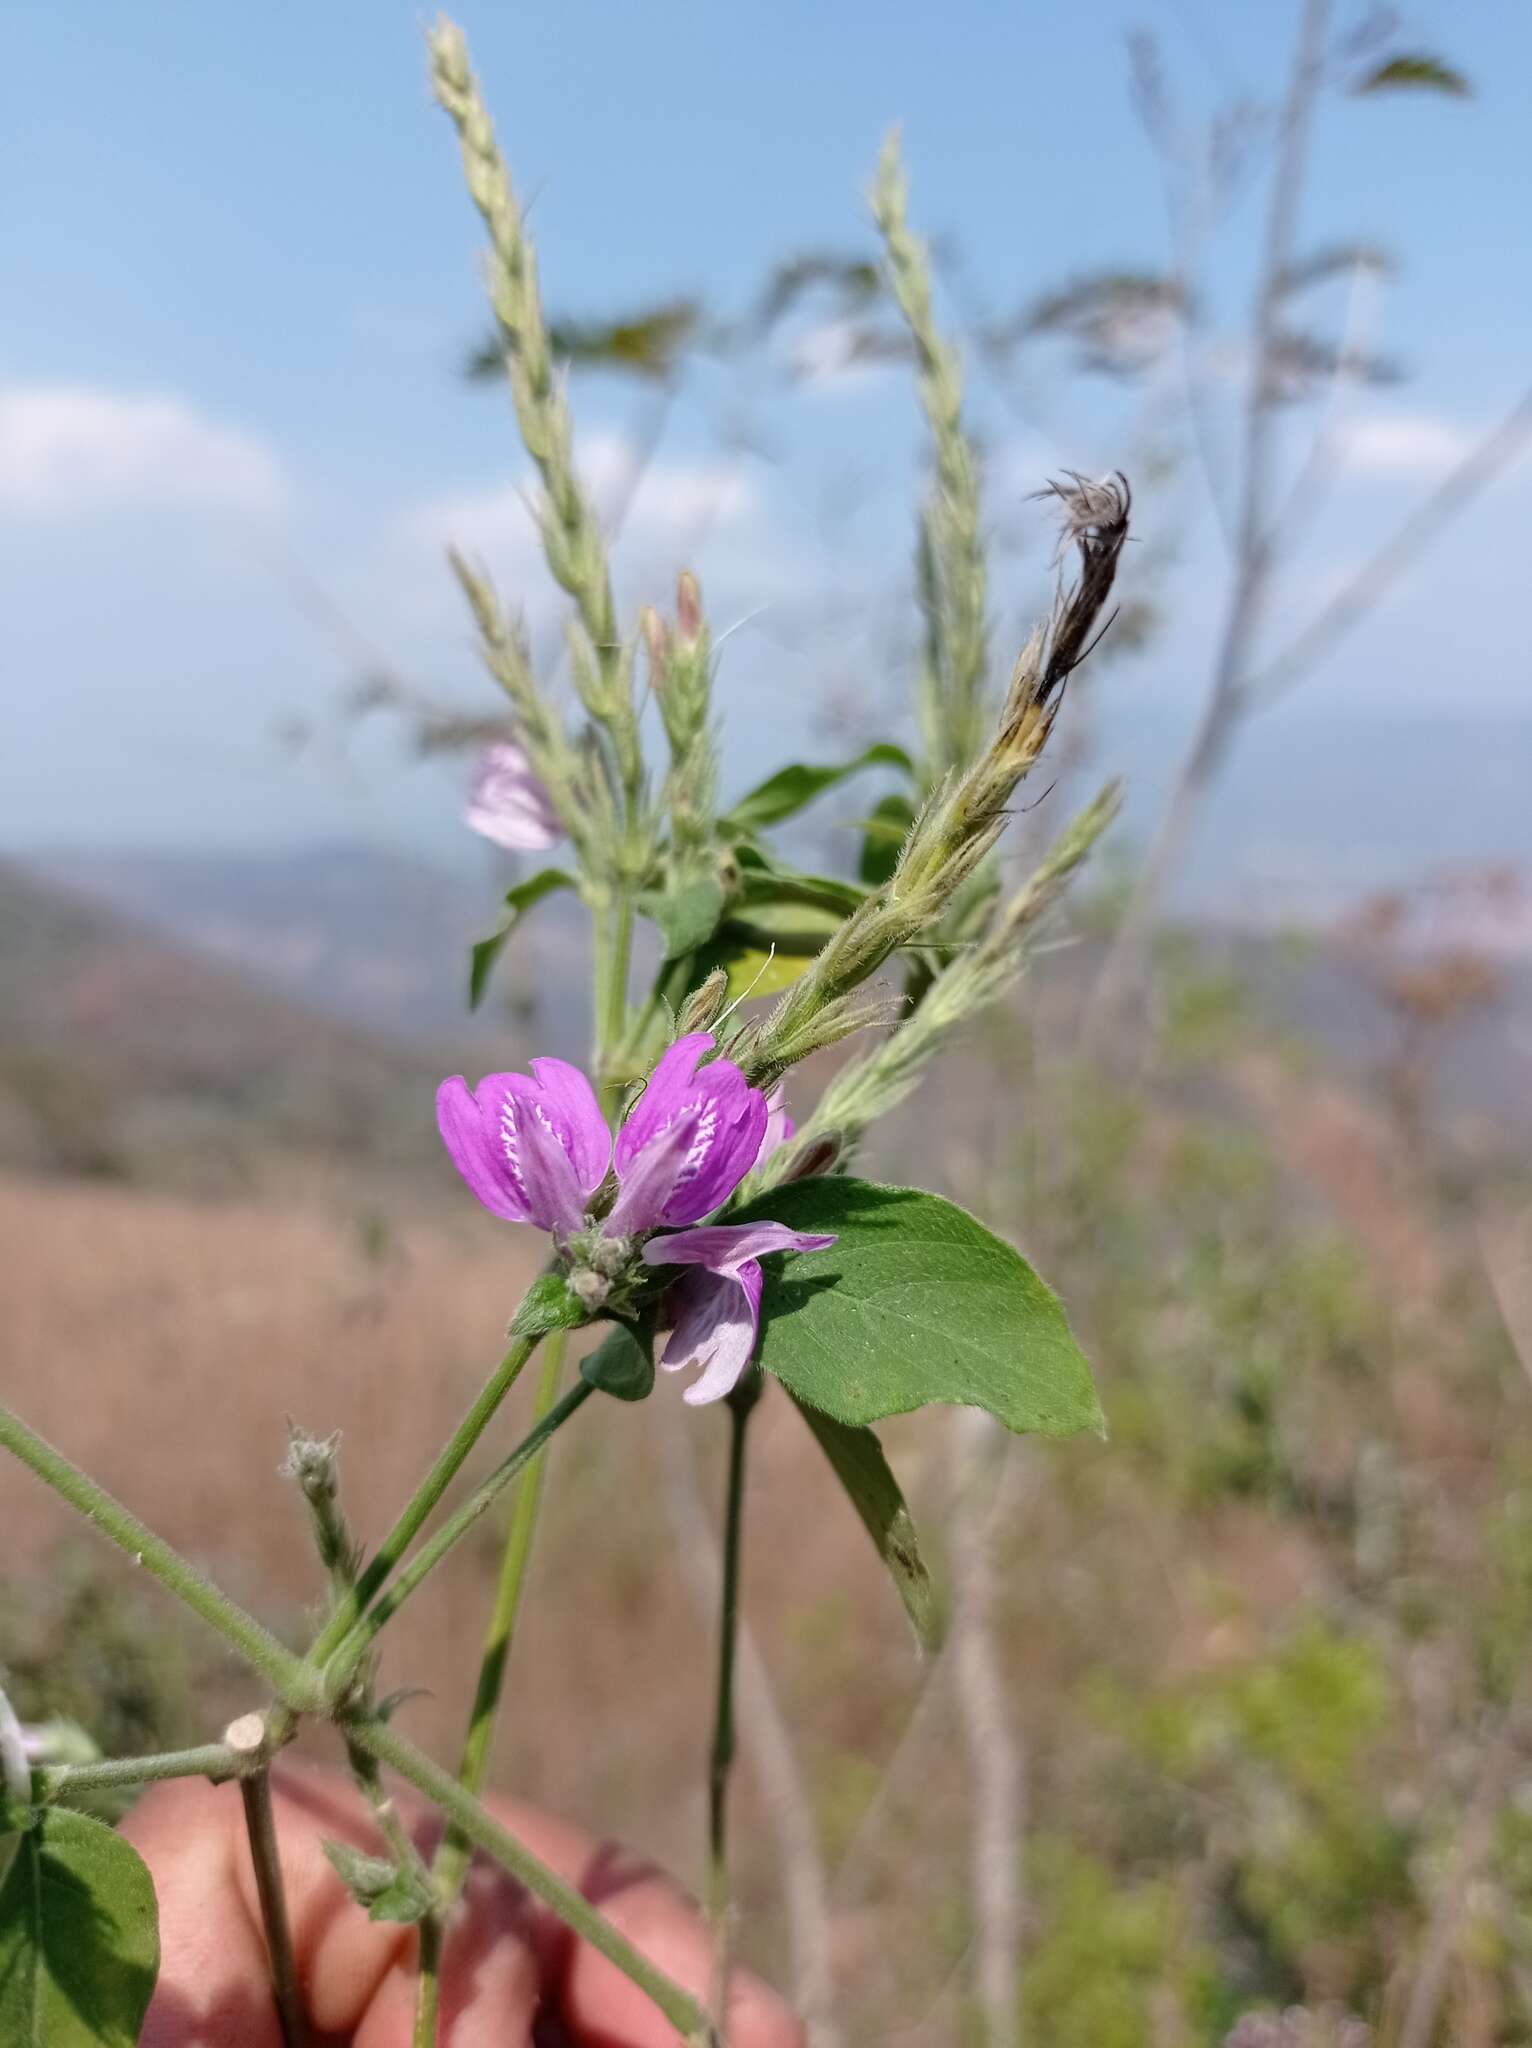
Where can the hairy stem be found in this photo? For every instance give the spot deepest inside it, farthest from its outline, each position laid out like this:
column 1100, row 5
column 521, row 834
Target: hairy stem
column 721, row 1759
column 452, row 1531
column 294, row 1682
column 453, row 1857
column 215, row 1761
column 572, row 1907
column 348, row 1611
column 255, row 1790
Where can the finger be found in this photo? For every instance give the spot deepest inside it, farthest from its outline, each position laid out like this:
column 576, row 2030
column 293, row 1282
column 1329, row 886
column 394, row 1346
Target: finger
column 489, row 1976
column 213, row 1951
column 604, row 2008
column 213, row 1979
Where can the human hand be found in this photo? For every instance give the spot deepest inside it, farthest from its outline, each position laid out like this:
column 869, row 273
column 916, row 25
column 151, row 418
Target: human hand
column 512, row 1975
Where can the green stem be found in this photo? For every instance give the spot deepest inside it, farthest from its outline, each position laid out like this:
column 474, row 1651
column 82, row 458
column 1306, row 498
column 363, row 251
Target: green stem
column 349, row 1610
column 294, row 1682
column 614, row 947
column 260, row 1825
column 453, row 1857
column 452, row 1531
column 428, row 1997
column 451, row 1862
column 721, row 1759
column 214, row 1761
column 572, row 1907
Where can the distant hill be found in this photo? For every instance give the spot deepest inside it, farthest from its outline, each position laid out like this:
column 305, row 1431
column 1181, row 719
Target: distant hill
column 178, row 1017
column 124, row 1054
column 368, row 936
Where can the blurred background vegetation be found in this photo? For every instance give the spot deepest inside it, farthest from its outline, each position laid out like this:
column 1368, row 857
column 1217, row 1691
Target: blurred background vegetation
column 1233, row 1737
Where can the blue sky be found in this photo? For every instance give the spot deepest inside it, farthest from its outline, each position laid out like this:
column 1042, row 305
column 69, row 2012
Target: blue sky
column 240, row 275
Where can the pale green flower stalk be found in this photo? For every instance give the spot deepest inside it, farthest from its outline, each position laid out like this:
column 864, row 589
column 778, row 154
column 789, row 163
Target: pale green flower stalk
column 618, row 842
column 951, row 574
column 869, row 1088
column 959, row 826
column 571, row 536
column 582, row 799
column 680, row 674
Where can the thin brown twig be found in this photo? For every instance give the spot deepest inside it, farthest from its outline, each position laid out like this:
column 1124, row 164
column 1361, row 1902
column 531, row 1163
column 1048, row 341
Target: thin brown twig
column 996, row 1770
column 1488, row 459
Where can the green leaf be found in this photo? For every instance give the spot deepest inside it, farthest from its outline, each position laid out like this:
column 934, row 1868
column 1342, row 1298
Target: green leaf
column 518, row 901
column 79, row 1937
column 883, row 834
column 857, row 1459
column 770, row 900
column 786, row 793
column 686, row 915
column 915, row 1302
column 402, row 1896
column 550, row 1303
column 1416, row 72
column 756, row 965
column 621, row 1365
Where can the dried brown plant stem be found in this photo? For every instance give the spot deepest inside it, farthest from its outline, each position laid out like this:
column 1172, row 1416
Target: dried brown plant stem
column 1488, row 459
column 1124, row 970
column 996, row 1775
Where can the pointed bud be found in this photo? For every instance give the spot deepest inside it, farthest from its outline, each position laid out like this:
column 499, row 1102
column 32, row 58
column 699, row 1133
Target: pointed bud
column 657, row 642
column 820, row 1155
column 688, row 608
column 703, row 1004
column 312, row 1462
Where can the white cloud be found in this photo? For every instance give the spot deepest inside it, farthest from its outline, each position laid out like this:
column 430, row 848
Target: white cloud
column 828, row 358
column 73, row 449
column 1403, row 444
column 666, row 504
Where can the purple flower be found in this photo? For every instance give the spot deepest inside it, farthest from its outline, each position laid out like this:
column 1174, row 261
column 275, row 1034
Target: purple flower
column 692, row 1137
column 509, row 804
column 717, row 1309
column 534, row 1149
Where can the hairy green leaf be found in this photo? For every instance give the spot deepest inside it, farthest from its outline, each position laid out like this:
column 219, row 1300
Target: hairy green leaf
column 79, row 1937
column 916, row 1302
column 858, row 1462
column 518, row 901
column 786, row 793
column 621, row 1365
column 687, row 915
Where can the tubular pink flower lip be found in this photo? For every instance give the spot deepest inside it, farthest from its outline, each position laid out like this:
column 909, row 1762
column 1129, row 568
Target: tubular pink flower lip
column 509, row 803
column 535, row 1149
column 718, row 1306
column 692, row 1137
